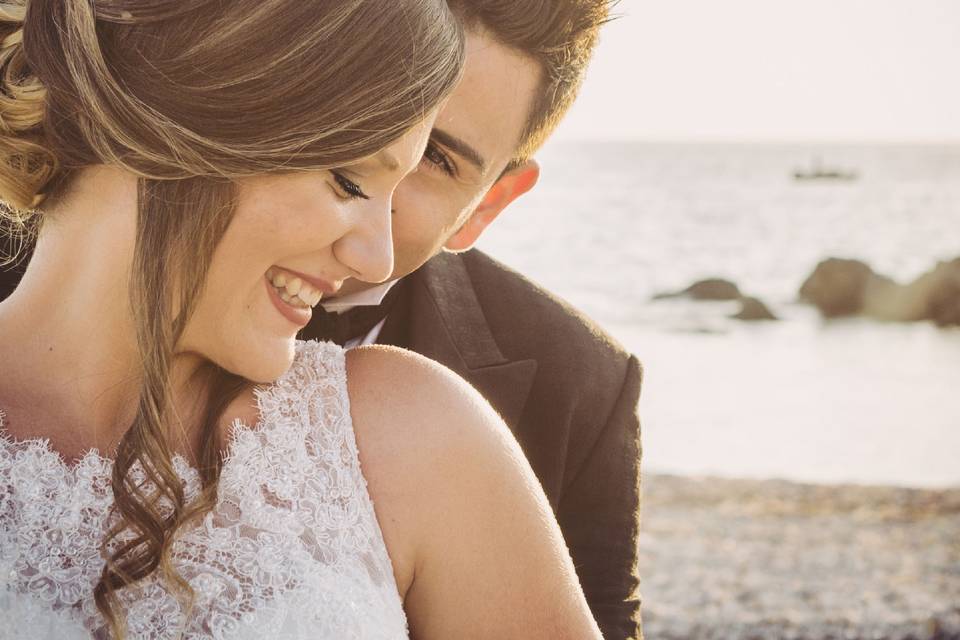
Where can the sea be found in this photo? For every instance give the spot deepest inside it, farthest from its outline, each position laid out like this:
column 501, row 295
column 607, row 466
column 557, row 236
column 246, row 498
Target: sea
column 610, row 225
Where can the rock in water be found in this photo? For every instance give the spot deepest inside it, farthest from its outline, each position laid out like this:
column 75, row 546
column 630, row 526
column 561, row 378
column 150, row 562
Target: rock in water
column 849, row 287
column 943, row 295
column 838, row 287
column 712, row 289
column 754, row 309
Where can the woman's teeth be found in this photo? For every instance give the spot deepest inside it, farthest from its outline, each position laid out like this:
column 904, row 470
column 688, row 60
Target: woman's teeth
column 293, row 290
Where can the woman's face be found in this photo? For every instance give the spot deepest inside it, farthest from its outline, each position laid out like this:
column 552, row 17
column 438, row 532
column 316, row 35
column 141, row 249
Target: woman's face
column 294, row 239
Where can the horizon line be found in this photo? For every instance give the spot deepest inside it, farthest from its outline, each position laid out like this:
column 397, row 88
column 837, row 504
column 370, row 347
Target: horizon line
column 948, row 142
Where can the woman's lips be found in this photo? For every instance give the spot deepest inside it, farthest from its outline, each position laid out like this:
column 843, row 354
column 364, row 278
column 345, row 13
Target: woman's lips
column 299, row 316
column 319, row 284
column 290, row 286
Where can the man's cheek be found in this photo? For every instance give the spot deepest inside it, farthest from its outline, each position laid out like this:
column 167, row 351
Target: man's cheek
column 411, row 192
column 413, row 236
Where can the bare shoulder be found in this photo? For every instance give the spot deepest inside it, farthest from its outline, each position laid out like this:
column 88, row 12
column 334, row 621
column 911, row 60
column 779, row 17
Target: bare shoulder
column 416, row 422
column 467, row 525
column 390, row 378
column 419, row 405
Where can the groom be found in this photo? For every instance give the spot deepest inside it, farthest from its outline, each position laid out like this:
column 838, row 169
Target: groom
column 565, row 388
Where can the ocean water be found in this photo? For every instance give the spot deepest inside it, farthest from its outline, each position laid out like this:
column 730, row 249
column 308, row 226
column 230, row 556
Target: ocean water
column 612, row 224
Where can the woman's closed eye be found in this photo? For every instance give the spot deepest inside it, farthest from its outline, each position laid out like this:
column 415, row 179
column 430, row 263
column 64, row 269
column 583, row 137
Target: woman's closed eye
column 434, row 156
column 346, row 188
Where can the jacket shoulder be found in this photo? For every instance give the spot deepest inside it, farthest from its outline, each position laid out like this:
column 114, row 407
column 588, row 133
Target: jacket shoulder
column 529, row 321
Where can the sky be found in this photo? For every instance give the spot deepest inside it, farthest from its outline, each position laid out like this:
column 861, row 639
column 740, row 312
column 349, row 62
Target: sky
column 774, row 71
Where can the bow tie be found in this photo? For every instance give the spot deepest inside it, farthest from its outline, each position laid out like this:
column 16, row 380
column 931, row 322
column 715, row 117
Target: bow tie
column 350, row 324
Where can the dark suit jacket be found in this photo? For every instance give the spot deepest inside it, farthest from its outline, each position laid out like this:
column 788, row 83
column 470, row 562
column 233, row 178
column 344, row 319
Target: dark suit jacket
column 567, row 390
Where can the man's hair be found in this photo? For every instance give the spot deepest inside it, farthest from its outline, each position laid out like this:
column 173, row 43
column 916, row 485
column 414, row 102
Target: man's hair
column 559, row 35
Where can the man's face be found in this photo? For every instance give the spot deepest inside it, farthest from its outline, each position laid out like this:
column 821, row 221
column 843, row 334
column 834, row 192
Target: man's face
column 473, row 139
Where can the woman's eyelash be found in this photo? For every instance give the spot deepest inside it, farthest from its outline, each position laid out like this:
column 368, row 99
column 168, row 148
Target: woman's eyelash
column 438, row 158
column 351, row 188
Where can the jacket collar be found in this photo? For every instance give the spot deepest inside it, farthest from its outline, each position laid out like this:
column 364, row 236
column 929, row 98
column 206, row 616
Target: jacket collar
column 445, row 322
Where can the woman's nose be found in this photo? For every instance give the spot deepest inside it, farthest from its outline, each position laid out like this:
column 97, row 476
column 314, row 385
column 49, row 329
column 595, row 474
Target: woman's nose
column 368, row 248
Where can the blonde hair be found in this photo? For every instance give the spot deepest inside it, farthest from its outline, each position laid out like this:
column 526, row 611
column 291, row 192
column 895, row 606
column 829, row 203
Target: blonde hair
column 191, row 96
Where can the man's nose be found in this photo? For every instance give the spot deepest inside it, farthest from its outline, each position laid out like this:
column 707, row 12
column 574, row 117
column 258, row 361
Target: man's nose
column 368, row 248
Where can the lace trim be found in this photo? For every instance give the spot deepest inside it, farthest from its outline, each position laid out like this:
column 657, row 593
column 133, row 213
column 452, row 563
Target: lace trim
column 291, row 550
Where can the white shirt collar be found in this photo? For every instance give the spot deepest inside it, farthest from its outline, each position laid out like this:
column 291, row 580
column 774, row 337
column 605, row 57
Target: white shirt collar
column 367, row 298
column 370, row 338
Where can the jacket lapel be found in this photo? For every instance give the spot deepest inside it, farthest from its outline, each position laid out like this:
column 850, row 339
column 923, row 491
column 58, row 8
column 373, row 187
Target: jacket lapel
column 441, row 318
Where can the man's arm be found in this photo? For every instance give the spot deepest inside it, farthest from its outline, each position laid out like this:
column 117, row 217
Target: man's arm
column 599, row 512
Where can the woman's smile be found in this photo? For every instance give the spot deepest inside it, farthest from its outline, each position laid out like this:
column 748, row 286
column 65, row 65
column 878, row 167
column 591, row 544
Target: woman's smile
column 293, row 289
column 292, row 297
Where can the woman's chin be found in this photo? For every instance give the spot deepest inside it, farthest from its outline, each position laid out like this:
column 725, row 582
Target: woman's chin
column 266, row 363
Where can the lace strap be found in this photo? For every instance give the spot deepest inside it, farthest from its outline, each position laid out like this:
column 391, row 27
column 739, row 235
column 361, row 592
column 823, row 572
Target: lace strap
column 302, row 456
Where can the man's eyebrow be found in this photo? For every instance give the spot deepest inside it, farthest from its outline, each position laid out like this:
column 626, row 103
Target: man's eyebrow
column 459, row 147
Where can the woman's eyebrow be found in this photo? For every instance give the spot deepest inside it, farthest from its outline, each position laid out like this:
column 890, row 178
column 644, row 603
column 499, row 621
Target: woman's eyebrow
column 460, row 147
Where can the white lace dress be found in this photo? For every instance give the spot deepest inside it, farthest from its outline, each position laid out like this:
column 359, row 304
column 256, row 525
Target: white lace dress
column 292, row 550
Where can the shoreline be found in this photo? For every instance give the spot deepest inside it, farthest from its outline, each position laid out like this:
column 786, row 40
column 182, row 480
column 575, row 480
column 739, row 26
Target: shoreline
column 756, row 559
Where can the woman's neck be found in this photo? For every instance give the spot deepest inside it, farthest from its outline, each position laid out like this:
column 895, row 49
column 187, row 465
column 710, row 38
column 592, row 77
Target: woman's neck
column 67, row 339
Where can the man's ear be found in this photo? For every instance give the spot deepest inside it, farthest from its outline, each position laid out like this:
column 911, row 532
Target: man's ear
column 508, row 187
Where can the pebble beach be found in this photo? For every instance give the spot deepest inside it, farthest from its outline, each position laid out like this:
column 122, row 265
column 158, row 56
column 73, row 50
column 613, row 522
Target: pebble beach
column 758, row 559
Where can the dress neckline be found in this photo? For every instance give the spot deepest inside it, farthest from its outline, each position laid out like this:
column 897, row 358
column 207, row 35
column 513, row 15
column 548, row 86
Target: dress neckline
column 92, row 457
column 265, row 396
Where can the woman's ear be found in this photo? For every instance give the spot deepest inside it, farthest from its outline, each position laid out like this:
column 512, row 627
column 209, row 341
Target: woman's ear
column 508, row 187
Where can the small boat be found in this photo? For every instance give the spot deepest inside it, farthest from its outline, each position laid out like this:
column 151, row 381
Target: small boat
column 819, row 172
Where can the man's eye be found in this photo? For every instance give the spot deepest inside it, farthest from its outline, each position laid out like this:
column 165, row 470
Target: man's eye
column 438, row 159
column 351, row 190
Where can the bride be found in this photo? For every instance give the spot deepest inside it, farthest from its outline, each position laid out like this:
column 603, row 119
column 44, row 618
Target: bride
column 173, row 463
